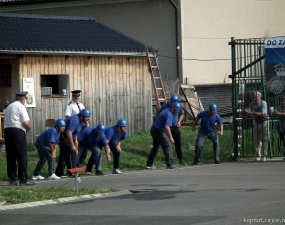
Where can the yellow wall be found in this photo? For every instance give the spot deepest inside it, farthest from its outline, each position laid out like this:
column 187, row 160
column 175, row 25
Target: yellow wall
column 206, row 29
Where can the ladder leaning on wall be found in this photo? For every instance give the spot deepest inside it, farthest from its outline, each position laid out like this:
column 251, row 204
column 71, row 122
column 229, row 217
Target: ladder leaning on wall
column 157, row 84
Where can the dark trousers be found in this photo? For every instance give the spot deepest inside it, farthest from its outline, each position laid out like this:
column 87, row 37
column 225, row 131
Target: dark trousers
column 95, row 156
column 160, row 138
column 116, row 159
column 66, row 156
column 201, row 138
column 45, row 155
column 16, row 151
column 175, row 131
column 83, row 156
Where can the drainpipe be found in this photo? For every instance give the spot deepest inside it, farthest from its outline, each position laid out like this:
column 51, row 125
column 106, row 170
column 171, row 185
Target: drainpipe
column 176, row 34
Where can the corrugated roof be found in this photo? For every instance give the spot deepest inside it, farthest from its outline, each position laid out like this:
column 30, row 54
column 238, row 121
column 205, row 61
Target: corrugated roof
column 25, row 33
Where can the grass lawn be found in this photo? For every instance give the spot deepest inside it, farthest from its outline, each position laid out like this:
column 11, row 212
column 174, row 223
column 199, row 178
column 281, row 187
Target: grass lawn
column 135, row 150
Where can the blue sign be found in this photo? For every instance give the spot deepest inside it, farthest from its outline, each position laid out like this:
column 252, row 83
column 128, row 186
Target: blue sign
column 275, row 65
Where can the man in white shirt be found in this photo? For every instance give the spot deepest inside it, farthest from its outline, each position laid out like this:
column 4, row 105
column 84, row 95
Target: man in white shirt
column 16, row 125
column 74, row 106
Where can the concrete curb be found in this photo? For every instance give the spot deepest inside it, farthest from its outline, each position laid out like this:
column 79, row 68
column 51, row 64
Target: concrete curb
column 62, row 200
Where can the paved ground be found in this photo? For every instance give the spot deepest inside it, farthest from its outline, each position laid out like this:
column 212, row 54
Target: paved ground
column 230, row 193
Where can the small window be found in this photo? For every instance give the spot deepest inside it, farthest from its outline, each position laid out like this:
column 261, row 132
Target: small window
column 5, row 75
column 54, row 85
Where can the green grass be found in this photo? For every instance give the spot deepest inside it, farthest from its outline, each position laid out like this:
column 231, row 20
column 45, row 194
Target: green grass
column 21, row 194
column 135, row 150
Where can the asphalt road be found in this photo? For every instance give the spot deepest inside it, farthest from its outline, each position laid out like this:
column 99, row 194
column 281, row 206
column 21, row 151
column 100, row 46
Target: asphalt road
column 230, row 193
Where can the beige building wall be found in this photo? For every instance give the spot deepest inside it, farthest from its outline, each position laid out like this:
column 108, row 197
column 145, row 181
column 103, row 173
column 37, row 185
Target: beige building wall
column 206, row 29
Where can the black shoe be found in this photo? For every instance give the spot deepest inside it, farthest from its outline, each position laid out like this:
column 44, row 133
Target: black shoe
column 13, row 183
column 27, row 183
column 217, row 162
column 171, row 167
column 195, row 163
column 99, row 173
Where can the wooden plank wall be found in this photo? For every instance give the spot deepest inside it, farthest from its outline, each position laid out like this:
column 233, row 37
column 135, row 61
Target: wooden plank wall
column 112, row 88
column 8, row 93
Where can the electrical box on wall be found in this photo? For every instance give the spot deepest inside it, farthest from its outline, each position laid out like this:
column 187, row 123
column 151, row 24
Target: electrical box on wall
column 46, row 91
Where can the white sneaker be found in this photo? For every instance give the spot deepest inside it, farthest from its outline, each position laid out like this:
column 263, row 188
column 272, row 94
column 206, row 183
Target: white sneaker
column 151, row 167
column 87, row 173
column 116, row 171
column 37, row 177
column 263, row 159
column 257, row 159
column 53, row 177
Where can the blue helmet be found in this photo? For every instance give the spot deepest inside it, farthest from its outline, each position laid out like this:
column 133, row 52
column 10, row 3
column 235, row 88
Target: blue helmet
column 85, row 112
column 176, row 106
column 174, row 98
column 101, row 128
column 60, row 123
column 122, row 123
column 213, row 106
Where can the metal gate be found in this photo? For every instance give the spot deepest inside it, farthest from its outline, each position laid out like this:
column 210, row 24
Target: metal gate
column 248, row 76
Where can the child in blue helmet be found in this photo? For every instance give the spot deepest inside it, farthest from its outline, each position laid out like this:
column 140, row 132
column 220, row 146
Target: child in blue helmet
column 207, row 130
column 93, row 138
column 46, row 147
column 176, row 123
column 161, row 136
column 68, row 141
column 115, row 136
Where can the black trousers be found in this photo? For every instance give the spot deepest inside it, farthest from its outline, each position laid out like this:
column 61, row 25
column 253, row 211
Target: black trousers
column 160, row 138
column 66, row 156
column 83, row 156
column 175, row 131
column 16, row 151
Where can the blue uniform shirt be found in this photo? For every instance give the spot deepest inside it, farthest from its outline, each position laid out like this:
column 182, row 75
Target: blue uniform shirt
column 49, row 135
column 73, row 124
column 88, row 137
column 165, row 118
column 113, row 135
column 175, row 118
column 208, row 121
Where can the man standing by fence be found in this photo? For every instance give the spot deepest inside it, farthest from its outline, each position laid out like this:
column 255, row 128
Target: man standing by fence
column 258, row 109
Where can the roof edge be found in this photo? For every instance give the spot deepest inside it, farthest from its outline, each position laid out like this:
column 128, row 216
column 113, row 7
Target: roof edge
column 36, row 16
column 67, row 53
column 57, row 4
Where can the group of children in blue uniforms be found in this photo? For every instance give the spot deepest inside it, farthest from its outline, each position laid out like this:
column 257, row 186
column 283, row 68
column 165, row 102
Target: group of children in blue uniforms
column 165, row 132
column 73, row 139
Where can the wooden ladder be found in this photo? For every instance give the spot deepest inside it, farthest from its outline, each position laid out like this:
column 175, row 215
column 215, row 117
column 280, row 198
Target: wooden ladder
column 157, row 84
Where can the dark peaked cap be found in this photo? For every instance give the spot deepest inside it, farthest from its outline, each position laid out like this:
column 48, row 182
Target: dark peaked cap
column 76, row 93
column 22, row 94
